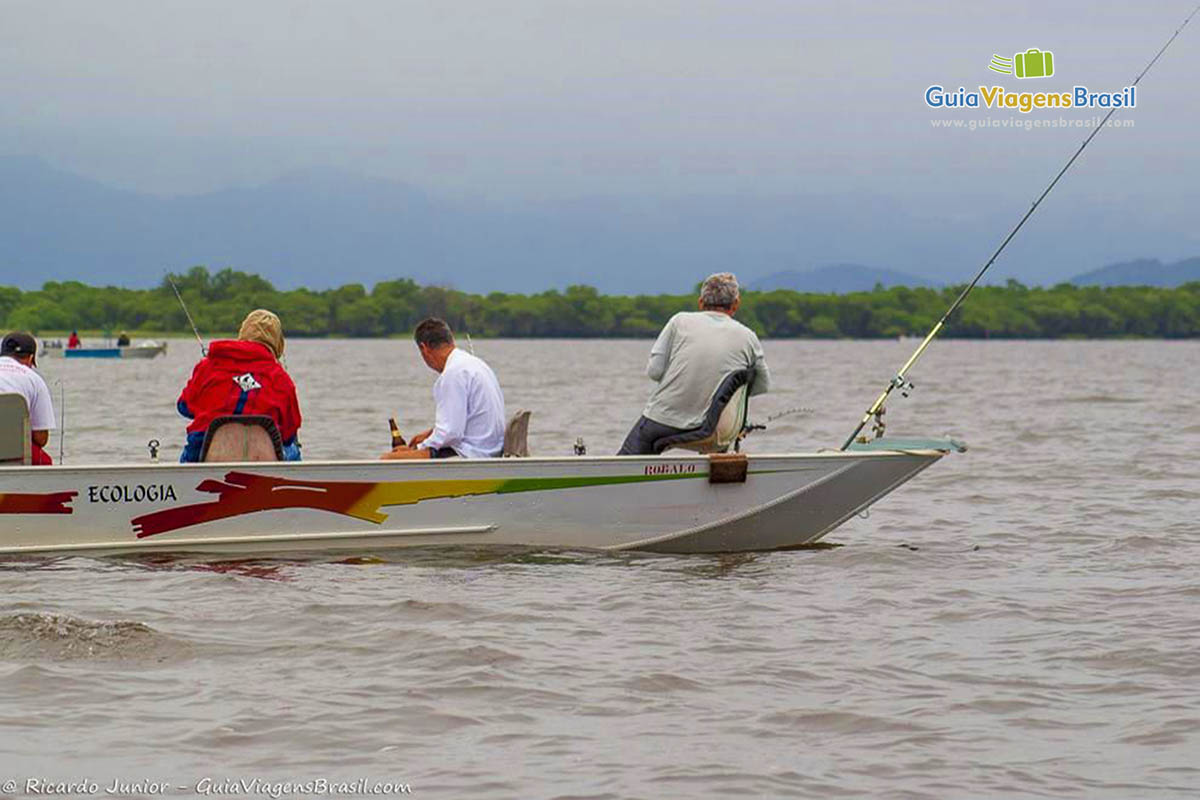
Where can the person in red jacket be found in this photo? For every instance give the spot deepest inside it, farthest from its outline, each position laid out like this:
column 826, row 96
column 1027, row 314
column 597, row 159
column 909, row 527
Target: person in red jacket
column 242, row 376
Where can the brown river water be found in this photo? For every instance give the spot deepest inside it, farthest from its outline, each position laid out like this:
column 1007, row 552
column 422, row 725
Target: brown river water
column 1022, row 620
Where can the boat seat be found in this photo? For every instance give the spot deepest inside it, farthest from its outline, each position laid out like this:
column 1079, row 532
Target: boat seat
column 724, row 423
column 250, row 437
column 516, row 435
column 16, row 444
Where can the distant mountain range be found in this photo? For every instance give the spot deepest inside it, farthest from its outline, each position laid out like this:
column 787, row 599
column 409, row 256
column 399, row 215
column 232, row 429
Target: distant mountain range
column 837, row 279
column 1143, row 272
column 323, row 227
column 843, row 278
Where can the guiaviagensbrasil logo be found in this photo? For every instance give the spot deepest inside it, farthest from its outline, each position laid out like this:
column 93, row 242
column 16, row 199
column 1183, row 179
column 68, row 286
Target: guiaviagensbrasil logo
column 1033, row 63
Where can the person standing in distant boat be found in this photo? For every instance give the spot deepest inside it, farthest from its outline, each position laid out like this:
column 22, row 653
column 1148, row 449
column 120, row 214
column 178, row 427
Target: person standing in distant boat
column 73, row 342
column 242, row 376
column 18, row 357
column 693, row 354
column 470, row 406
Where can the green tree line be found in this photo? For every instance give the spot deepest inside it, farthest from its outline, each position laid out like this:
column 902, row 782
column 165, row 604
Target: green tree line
column 218, row 302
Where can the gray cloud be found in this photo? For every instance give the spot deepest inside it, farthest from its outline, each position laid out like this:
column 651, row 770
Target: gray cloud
column 534, row 101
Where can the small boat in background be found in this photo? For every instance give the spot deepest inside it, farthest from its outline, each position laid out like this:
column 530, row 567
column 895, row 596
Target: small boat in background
column 148, row 349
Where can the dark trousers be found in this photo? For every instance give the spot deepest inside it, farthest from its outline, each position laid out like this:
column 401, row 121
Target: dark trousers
column 643, row 438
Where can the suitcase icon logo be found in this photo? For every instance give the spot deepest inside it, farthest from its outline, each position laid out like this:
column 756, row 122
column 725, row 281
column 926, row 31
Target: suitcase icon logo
column 1033, row 63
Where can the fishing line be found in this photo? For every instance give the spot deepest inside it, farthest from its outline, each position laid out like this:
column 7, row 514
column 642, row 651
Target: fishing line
column 900, row 381
column 183, row 305
column 62, row 418
column 803, row 410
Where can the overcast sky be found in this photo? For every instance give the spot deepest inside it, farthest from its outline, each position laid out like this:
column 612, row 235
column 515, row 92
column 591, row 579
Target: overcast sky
column 532, row 101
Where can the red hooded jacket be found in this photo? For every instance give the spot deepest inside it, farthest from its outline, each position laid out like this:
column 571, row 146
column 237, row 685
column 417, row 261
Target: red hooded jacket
column 240, row 378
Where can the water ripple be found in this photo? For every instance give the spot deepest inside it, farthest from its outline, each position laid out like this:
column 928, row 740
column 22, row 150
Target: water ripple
column 1019, row 621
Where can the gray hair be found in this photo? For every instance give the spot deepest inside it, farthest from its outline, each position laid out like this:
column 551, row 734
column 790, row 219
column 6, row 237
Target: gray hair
column 720, row 290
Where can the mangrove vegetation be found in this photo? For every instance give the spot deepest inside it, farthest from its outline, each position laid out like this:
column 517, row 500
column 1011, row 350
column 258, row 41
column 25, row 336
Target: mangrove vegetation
column 218, row 302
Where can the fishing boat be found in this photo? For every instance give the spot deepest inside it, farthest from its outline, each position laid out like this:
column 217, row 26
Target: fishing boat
column 701, row 503
column 140, row 350
column 687, row 503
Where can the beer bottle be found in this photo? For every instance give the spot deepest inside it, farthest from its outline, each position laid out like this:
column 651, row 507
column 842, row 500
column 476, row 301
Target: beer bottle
column 397, row 439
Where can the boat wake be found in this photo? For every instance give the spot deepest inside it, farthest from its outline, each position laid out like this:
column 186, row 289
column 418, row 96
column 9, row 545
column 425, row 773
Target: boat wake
column 56, row 637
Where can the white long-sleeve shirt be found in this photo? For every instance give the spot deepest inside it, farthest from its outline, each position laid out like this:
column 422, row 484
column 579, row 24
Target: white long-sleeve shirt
column 18, row 378
column 470, row 408
column 692, row 355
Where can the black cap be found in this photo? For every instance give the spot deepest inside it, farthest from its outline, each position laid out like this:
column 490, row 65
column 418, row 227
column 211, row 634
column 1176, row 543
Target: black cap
column 18, row 343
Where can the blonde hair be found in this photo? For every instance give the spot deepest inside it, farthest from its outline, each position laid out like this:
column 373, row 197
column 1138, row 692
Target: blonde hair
column 263, row 327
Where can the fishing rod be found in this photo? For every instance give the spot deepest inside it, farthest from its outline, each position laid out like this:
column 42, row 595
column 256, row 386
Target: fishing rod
column 900, row 381
column 183, row 305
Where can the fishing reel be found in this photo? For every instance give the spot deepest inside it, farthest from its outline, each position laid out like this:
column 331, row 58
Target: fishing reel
column 903, row 384
column 879, row 426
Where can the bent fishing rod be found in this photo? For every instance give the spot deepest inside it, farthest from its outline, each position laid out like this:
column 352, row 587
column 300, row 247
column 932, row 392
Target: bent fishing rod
column 900, row 381
column 183, row 305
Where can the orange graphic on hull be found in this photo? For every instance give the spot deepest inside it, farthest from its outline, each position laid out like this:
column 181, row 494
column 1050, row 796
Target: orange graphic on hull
column 52, row 503
column 243, row 493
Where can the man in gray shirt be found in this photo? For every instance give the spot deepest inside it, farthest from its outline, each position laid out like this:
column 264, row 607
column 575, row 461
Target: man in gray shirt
column 693, row 354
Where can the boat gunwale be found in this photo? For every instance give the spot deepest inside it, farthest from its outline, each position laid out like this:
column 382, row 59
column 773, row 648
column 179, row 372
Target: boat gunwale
column 468, row 463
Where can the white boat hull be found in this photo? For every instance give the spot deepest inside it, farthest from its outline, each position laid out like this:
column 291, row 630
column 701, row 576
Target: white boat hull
column 655, row 503
column 141, row 351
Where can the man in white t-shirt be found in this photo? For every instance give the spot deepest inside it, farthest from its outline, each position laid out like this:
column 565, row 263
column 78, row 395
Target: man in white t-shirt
column 470, row 405
column 18, row 357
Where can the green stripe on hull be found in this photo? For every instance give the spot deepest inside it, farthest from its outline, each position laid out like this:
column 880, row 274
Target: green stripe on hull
column 549, row 484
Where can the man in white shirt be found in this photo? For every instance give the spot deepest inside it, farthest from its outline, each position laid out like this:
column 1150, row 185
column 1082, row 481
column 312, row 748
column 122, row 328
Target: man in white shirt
column 470, row 405
column 694, row 353
column 18, row 357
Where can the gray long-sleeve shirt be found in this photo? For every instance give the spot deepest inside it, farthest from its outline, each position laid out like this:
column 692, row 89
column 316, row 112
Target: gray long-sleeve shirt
column 690, row 358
